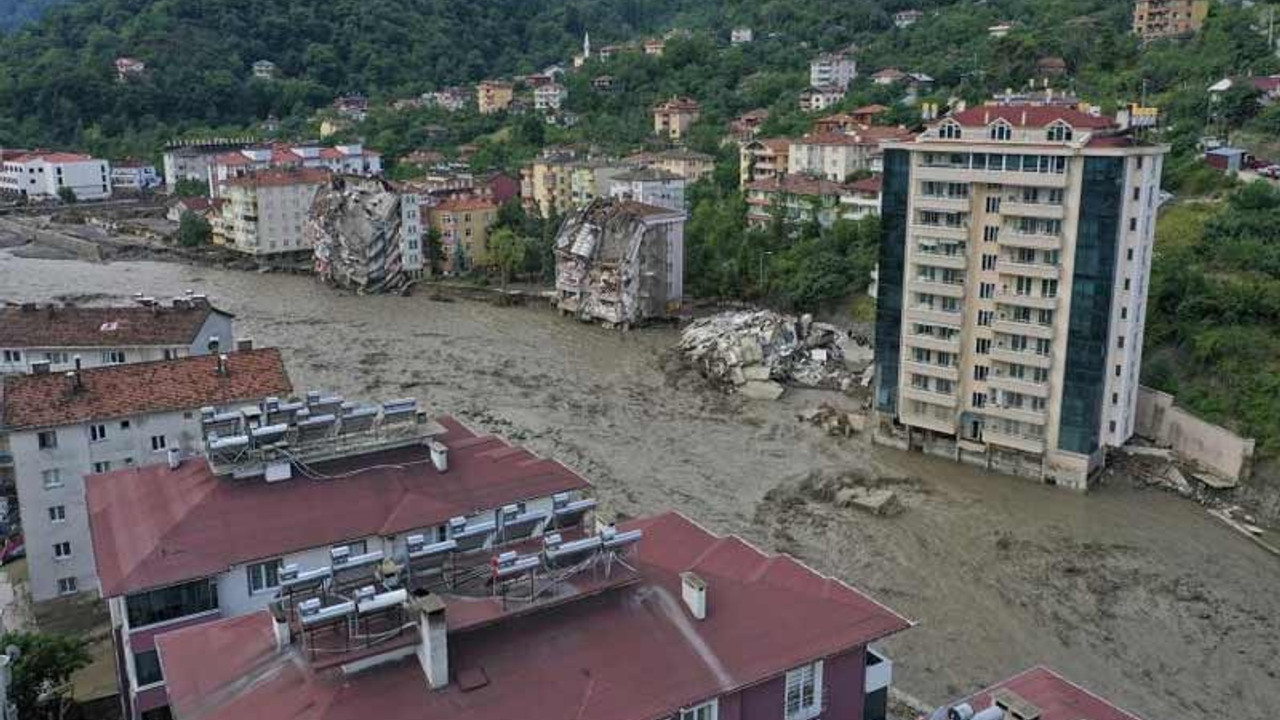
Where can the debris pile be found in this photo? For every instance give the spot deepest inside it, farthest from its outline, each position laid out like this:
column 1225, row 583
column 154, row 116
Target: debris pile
column 756, row 352
column 366, row 236
column 837, row 422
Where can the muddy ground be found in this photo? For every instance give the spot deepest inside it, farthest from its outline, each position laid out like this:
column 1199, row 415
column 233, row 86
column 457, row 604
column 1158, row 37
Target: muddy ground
column 1135, row 593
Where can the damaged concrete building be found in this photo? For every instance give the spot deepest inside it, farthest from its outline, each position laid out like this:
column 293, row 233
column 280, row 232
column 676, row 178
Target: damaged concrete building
column 367, row 235
column 621, row 262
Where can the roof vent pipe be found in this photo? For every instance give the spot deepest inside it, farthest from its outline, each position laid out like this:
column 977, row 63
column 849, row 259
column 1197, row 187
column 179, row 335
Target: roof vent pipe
column 214, row 343
column 439, row 455
column 175, row 458
column 963, row 711
column 693, row 590
column 433, row 643
column 222, row 365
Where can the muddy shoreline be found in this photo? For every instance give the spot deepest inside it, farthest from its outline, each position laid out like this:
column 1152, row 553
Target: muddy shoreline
column 1135, row 593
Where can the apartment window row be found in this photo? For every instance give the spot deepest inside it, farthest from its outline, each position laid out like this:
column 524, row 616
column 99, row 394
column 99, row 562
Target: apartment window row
column 925, row 409
column 1040, row 196
column 1028, row 256
column 1019, row 401
column 1015, row 371
column 1024, row 344
column 940, row 332
column 997, row 162
column 1038, row 226
column 171, row 603
column 926, row 383
column 934, row 218
column 947, row 276
column 950, row 248
column 948, row 190
column 929, row 301
column 1026, row 315
column 924, row 356
column 1016, row 428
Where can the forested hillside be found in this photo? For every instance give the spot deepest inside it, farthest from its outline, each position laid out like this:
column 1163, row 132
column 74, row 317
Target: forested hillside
column 16, row 13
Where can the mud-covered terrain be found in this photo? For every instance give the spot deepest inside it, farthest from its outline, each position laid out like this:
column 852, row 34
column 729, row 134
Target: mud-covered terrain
column 1139, row 595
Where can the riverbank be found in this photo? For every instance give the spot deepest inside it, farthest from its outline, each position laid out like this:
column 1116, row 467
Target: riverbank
column 1135, row 593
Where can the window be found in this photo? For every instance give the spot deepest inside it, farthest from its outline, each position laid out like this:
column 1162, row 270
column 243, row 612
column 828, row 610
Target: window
column 1112, row 425
column 170, row 354
column 1042, row 346
column 359, row 547
column 804, row 692
column 57, row 358
column 1118, row 370
column 989, row 262
column 1000, row 130
column 993, row 204
column 1120, row 342
column 990, row 233
column 263, row 575
column 1059, row 132
column 113, row 357
column 124, row 424
column 949, row 131
column 1040, row 375
column 1049, row 288
column 1137, row 193
column 170, row 603
column 97, row 433
column 708, row 710
column 47, row 440
column 985, row 317
column 102, row 467
column 1133, row 224
column 62, row 550
column 1115, row 398
column 58, row 513
column 1128, row 254
column 1045, row 317
column 980, row 372
column 158, row 442
column 66, row 585
column 979, row 400
column 1038, row 403
column 1022, row 285
column 52, row 478
column 12, row 356
column 146, row 664
column 983, row 347
column 942, row 386
column 987, row 291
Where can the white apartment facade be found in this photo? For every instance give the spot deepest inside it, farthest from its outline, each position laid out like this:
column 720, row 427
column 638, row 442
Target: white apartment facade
column 63, row 428
column 134, row 176
column 43, row 175
column 1012, row 289
column 53, row 339
column 834, row 69
column 350, row 159
column 549, row 97
column 266, row 213
column 821, row 97
column 650, row 186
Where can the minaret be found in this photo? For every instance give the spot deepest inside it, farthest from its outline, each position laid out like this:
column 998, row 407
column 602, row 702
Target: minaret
column 586, row 44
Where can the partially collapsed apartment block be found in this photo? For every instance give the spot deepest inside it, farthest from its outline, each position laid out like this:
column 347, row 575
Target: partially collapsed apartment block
column 621, row 262
column 366, row 235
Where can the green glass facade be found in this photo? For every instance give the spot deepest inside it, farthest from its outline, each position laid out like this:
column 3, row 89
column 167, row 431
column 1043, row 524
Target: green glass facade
column 893, row 250
column 1093, row 280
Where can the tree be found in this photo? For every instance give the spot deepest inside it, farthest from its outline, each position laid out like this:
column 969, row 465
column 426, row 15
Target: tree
column 505, row 251
column 188, row 187
column 193, row 230
column 42, row 671
column 67, row 195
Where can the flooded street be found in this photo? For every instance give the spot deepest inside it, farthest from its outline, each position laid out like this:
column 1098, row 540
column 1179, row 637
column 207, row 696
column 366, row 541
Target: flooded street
column 1139, row 595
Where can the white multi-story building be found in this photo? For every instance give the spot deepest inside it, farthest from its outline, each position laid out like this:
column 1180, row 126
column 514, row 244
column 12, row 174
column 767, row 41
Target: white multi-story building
column 39, row 175
column 32, row 335
column 64, row 427
column 225, row 537
column 265, row 213
column 820, row 97
column 352, row 159
column 741, row 36
column 650, row 186
column 549, row 97
column 835, row 69
column 1013, row 287
column 134, row 175
column 836, row 155
column 191, row 159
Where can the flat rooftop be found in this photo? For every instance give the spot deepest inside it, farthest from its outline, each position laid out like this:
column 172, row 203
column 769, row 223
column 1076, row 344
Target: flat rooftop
column 155, row 526
column 629, row 651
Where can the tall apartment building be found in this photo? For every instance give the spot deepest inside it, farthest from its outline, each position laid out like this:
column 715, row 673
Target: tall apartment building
column 463, row 224
column 64, row 427
column 266, row 213
column 39, row 175
column 294, row 495
column 833, row 69
column 545, row 184
column 654, row 618
column 366, row 234
column 1157, row 19
column 1013, row 283
column 51, row 338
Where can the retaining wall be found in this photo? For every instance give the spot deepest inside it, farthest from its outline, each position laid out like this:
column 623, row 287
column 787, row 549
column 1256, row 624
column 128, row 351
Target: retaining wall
column 1213, row 446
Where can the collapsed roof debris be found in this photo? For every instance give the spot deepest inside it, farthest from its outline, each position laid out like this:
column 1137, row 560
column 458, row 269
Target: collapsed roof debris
column 366, row 235
column 620, row 262
column 757, row 351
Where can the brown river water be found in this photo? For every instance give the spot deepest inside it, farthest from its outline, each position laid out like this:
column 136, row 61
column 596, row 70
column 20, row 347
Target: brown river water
column 1138, row 595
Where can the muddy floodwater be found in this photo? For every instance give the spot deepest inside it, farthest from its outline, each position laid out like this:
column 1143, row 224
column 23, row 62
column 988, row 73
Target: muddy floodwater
column 1141, row 596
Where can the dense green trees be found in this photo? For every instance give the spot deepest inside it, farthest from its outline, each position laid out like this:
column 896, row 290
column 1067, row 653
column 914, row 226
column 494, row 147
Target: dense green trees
column 42, row 671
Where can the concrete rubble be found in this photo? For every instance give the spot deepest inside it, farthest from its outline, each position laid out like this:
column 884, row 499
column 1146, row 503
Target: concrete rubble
column 758, row 352
column 837, row 422
column 358, row 231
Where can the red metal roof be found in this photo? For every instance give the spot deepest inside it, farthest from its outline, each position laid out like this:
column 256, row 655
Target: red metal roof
column 629, row 653
column 119, row 327
column 1057, row 697
column 282, row 178
column 153, row 526
column 868, row 185
column 1030, row 116
column 117, row 391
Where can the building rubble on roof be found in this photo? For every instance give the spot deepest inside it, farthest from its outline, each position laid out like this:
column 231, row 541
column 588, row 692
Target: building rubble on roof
column 366, row 235
column 620, row 262
column 757, row 352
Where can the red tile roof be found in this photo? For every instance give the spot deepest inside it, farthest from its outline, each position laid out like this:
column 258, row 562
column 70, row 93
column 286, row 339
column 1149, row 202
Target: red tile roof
column 55, row 157
column 282, row 178
column 1055, row 696
column 797, row 185
column 117, row 327
column 464, row 204
column 1030, row 116
column 117, row 391
column 870, row 110
column 153, row 526
column 678, row 104
column 626, row 653
column 868, row 185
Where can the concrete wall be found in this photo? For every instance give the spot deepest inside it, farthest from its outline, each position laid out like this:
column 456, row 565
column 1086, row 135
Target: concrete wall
column 1213, row 446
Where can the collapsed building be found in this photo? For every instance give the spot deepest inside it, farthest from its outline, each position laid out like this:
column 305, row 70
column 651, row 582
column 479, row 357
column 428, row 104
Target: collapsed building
column 620, row 262
column 366, row 235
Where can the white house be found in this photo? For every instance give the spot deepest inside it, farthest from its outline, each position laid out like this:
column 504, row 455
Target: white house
column 63, row 427
column 741, row 36
column 650, row 186
column 549, row 97
column 836, row 69
column 42, row 175
column 134, row 175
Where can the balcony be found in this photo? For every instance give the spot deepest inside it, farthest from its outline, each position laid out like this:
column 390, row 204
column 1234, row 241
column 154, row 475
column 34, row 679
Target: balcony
column 1020, row 357
column 1006, row 324
column 949, row 232
column 928, row 396
column 1025, row 443
column 928, row 422
column 1015, row 208
column 1023, row 414
column 936, row 287
column 929, row 342
column 949, row 173
column 1035, row 270
column 1039, row 302
column 942, row 203
column 1036, row 242
column 879, row 674
column 957, row 261
column 1002, row 381
column 933, row 316
column 946, row 372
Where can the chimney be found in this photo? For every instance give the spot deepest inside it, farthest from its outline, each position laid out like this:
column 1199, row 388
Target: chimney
column 40, row 367
column 280, row 623
column 244, row 344
column 77, row 381
column 175, row 458
column 439, row 455
column 693, row 590
column 214, row 343
column 433, row 644
column 222, row 365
